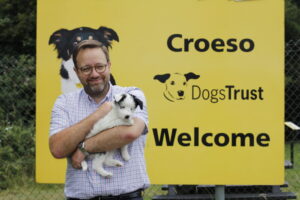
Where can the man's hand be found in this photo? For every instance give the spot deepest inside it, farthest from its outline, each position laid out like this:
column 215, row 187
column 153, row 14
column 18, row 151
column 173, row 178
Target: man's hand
column 77, row 158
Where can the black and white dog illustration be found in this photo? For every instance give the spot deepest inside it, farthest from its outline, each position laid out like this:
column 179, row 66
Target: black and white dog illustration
column 122, row 111
column 176, row 84
column 65, row 41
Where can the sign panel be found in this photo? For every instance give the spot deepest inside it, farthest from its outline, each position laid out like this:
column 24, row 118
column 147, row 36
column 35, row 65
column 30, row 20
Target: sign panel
column 212, row 72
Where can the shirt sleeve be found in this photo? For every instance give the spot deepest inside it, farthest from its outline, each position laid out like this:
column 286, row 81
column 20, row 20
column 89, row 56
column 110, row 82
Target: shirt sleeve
column 141, row 113
column 59, row 117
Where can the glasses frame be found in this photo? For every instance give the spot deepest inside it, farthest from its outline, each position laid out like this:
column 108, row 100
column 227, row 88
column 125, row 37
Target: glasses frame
column 89, row 69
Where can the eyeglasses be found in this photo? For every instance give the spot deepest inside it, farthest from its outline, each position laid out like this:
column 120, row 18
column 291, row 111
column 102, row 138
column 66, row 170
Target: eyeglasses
column 87, row 70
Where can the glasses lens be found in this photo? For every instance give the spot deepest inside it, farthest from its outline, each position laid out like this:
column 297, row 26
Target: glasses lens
column 88, row 70
column 100, row 68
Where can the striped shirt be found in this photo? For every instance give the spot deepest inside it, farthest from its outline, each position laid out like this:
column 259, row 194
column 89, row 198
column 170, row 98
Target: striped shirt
column 71, row 108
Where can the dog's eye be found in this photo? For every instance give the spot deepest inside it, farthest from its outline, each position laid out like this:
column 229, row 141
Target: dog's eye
column 122, row 107
column 184, row 83
column 172, row 82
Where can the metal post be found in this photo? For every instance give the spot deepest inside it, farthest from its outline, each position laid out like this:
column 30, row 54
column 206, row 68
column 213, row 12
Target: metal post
column 219, row 192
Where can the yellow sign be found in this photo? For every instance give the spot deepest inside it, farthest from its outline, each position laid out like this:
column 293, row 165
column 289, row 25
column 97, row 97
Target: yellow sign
column 212, row 72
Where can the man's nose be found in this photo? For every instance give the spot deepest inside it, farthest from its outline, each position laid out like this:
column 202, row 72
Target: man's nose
column 94, row 73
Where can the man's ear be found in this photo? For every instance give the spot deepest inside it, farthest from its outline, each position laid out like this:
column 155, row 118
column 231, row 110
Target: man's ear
column 109, row 65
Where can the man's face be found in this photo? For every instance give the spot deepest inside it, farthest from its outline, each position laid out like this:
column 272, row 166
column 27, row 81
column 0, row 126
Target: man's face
column 95, row 84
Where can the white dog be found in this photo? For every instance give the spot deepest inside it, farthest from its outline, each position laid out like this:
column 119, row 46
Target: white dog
column 121, row 114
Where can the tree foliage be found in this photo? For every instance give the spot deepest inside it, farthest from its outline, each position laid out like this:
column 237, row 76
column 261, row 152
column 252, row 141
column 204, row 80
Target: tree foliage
column 18, row 26
column 292, row 20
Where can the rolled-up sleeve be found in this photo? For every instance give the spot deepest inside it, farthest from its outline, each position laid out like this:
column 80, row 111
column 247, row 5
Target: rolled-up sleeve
column 59, row 116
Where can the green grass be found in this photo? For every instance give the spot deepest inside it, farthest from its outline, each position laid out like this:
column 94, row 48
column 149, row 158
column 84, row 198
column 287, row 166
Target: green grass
column 26, row 189
column 292, row 176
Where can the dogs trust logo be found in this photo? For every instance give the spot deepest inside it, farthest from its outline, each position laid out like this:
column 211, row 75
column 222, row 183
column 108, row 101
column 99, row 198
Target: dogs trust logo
column 176, row 84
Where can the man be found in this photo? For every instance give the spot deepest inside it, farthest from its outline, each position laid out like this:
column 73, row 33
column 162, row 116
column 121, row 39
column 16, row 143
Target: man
column 73, row 116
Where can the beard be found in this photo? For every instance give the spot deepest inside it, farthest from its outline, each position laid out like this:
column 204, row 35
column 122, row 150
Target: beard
column 96, row 91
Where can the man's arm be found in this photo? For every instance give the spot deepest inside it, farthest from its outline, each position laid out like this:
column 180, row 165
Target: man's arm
column 64, row 143
column 110, row 139
column 115, row 137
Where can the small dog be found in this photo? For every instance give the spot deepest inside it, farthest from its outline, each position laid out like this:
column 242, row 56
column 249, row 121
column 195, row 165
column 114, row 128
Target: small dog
column 65, row 41
column 121, row 114
column 176, row 84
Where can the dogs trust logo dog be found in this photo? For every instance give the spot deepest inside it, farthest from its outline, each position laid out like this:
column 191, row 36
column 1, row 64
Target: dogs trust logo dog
column 176, row 84
column 65, row 41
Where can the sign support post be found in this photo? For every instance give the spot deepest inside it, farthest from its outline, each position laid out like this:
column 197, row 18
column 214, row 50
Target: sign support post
column 220, row 192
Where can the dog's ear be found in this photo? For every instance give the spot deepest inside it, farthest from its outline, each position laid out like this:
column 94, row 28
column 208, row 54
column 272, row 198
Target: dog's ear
column 108, row 35
column 119, row 98
column 191, row 75
column 137, row 102
column 162, row 77
column 59, row 39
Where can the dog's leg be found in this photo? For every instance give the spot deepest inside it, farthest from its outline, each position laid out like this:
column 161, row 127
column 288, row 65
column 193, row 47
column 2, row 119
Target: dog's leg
column 110, row 161
column 84, row 165
column 124, row 153
column 98, row 165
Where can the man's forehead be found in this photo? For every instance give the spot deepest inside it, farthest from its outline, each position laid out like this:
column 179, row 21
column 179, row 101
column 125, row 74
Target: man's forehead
column 93, row 55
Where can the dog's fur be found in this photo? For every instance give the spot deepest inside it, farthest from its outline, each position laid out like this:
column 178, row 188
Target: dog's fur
column 65, row 41
column 176, row 84
column 121, row 114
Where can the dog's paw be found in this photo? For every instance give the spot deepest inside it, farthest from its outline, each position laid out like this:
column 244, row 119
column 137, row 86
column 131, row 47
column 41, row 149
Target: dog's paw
column 84, row 166
column 125, row 154
column 103, row 172
column 126, row 157
column 108, row 175
column 113, row 163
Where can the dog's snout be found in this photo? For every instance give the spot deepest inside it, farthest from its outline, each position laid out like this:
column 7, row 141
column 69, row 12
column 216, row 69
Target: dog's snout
column 127, row 117
column 180, row 93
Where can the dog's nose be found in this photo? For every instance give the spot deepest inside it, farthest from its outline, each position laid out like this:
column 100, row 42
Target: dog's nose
column 180, row 93
column 127, row 117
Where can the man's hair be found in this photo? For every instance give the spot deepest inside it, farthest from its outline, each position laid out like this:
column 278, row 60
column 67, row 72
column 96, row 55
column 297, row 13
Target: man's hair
column 85, row 44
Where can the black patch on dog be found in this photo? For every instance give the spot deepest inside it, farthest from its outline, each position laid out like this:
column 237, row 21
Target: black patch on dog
column 137, row 101
column 112, row 80
column 122, row 99
column 162, row 78
column 191, row 75
column 63, row 72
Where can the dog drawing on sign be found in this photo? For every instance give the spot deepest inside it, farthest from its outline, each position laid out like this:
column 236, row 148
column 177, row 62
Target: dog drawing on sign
column 65, row 41
column 176, row 84
column 122, row 111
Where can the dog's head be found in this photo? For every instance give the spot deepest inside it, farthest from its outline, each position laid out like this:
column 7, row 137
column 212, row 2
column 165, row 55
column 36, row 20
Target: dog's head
column 65, row 40
column 176, row 84
column 126, row 105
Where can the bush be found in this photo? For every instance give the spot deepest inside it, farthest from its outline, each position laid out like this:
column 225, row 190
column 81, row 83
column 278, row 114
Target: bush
column 17, row 83
column 17, row 153
column 17, row 117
